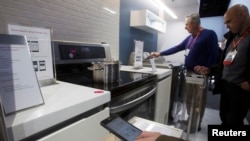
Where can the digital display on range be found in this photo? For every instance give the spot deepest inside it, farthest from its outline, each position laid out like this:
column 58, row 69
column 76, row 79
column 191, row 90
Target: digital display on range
column 68, row 52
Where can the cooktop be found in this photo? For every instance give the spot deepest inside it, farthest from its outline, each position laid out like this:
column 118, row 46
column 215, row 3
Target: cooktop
column 127, row 81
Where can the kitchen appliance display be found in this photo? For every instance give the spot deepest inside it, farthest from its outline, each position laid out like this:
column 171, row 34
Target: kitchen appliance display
column 164, row 77
column 177, row 85
column 132, row 95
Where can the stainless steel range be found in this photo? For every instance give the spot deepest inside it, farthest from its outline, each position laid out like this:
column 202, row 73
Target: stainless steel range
column 132, row 95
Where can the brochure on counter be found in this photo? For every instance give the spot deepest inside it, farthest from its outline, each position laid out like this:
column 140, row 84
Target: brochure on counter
column 148, row 125
column 19, row 87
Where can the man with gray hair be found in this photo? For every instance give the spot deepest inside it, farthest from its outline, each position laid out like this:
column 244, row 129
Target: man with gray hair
column 201, row 48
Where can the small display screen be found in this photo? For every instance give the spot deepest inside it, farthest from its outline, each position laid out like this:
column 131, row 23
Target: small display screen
column 69, row 52
column 123, row 129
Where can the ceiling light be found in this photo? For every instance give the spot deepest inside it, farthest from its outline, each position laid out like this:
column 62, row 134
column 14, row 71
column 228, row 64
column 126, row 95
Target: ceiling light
column 109, row 10
column 162, row 6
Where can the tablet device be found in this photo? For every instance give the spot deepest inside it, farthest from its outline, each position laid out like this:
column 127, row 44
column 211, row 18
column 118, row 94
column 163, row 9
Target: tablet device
column 121, row 128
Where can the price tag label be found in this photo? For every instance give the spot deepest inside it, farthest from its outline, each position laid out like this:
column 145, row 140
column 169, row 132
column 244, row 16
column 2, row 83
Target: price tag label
column 152, row 62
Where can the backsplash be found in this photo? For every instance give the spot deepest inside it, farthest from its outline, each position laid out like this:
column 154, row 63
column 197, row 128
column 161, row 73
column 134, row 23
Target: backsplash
column 72, row 20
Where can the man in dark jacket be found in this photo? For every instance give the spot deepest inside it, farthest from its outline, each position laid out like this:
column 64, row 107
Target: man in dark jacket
column 232, row 74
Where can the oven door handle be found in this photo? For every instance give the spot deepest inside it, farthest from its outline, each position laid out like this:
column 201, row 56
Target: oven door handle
column 132, row 103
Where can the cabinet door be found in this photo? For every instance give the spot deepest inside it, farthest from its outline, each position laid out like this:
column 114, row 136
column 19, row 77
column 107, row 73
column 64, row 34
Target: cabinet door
column 88, row 129
column 147, row 21
column 163, row 100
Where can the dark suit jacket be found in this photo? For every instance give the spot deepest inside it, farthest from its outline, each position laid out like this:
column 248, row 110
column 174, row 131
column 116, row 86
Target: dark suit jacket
column 217, row 70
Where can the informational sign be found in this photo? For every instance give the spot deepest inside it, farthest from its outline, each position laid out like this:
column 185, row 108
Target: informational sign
column 19, row 88
column 152, row 62
column 138, row 54
column 3, row 131
column 39, row 42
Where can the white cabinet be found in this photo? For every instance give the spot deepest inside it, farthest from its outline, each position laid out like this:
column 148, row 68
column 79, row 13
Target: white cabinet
column 163, row 100
column 147, row 21
column 88, row 129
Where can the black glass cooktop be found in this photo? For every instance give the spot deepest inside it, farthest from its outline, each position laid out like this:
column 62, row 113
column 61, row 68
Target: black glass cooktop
column 127, row 82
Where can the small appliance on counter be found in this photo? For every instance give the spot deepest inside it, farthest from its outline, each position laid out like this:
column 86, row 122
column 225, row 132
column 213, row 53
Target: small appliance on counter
column 85, row 64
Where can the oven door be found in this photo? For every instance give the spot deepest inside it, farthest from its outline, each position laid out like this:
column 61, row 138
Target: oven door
column 138, row 102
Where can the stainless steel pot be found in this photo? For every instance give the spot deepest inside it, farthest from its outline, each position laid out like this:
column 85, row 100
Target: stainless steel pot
column 106, row 72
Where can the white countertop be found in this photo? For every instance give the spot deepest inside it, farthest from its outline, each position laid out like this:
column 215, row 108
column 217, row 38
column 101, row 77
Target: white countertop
column 62, row 101
column 161, row 72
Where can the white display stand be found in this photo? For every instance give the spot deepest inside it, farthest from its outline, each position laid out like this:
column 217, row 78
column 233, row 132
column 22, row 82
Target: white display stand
column 39, row 42
column 19, row 88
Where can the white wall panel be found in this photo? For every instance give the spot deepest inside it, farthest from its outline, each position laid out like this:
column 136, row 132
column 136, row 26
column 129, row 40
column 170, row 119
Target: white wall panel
column 74, row 20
